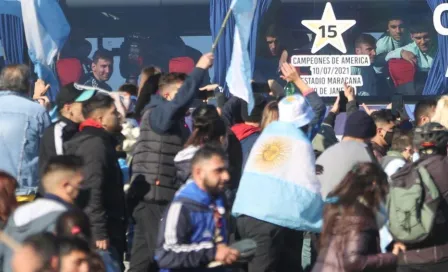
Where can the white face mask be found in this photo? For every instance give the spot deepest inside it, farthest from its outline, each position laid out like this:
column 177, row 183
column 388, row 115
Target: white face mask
column 381, row 216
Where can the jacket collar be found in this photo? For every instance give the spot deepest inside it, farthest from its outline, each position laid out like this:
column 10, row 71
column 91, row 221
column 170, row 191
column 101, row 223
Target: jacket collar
column 192, row 192
column 59, row 200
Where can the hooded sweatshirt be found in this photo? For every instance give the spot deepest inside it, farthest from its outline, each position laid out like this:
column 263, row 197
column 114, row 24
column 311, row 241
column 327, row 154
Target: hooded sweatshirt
column 32, row 218
column 247, row 135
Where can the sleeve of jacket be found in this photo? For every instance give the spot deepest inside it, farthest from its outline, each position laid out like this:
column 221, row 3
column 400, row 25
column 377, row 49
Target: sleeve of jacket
column 356, row 258
column 175, row 249
column 93, row 153
column 352, row 106
column 319, row 109
column 330, row 119
column 162, row 116
column 231, row 111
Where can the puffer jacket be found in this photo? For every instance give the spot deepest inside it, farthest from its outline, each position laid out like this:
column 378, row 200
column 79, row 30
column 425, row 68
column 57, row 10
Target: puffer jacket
column 354, row 246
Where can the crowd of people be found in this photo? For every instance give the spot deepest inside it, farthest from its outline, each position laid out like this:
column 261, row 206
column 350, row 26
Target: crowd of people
column 175, row 176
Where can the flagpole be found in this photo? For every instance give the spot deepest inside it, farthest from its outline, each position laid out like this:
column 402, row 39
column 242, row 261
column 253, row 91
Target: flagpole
column 221, row 30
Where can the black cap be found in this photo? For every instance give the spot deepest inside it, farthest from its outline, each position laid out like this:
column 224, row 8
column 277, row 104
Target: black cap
column 360, row 125
column 70, row 94
column 257, row 112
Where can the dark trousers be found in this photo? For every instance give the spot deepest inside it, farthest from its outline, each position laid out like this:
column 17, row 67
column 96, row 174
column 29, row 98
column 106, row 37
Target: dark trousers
column 278, row 249
column 441, row 266
column 147, row 220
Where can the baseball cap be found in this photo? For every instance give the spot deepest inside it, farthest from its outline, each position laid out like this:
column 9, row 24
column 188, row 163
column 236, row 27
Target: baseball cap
column 296, row 110
column 71, row 94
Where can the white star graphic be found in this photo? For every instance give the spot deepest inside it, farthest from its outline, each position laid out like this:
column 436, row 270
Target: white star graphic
column 328, row 30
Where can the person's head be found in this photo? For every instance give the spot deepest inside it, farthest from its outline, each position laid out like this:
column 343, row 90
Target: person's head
column 150, row 87
column 403, row 143
column 422, row 36
column 8, row 202
column 103, row 65
column 209, row 169
column 101, row 108
column 441, row 112
column 255, row 116
column 396, row 27
column 424, row 111
column 129, row 89
column 62, row 177
column 169, row 84
column 208, row 127
column 146, row 73
column 74, row 254
column 74, row 223
column 365, row 44
column 359, row 127
column 362, row 192
column 272, row 39
column 270, row 114
column 69, row 102
column 15, row 78
column 39, row 253
column 431, row 138
column 295, row 109
column 384, row 121
column 96, row 263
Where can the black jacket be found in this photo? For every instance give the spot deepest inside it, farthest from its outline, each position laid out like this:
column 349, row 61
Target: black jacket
column 163, row 133
column 102, row 197
column 90, row 80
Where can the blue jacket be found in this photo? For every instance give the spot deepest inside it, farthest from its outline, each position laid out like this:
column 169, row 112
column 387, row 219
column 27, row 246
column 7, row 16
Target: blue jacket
column 22, row 124
column 186, row 239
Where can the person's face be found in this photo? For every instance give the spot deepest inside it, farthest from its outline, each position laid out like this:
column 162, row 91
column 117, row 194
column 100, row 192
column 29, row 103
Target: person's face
column 76, row 261
column 73, row 185
column 26, row 259
column 408, row 152
column 386, row 131
column 214, row 175
column 74, row 112
column 395, row 29
column 367, row 49
column 103, row 69
column 423, row 41
column 111, row 120
column 273, row 45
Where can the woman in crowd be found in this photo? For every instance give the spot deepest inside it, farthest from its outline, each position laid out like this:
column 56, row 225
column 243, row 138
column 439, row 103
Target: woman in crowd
column 270, row 114
column 352, row 217
column 149, row 88
column 8, row 202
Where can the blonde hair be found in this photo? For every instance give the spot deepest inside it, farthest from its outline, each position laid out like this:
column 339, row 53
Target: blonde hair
column 441, row 112
column 270, row 114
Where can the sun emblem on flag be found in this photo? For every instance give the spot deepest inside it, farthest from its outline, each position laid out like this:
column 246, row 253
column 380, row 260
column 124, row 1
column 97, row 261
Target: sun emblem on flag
column 272, row 154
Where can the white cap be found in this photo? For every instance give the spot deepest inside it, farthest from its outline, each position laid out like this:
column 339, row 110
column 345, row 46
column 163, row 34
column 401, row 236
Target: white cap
column 295, row 109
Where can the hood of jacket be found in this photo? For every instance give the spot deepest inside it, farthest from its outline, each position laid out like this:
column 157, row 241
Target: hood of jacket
column 242, row 131
column 192, row 192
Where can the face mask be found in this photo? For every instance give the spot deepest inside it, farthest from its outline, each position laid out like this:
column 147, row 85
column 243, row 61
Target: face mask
column 388, row 138
column 381, row 216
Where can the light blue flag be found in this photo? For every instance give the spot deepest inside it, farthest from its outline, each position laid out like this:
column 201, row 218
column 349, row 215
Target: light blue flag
column 279, row 184
column 46, row 30
column 239, row 75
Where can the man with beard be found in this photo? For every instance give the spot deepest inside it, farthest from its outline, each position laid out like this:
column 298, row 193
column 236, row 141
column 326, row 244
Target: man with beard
column 385, row 125
column 102, row 69
column 102, row 197
column 365, row 44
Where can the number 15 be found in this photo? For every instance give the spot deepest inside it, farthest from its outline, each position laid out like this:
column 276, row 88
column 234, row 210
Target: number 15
column 330, row 32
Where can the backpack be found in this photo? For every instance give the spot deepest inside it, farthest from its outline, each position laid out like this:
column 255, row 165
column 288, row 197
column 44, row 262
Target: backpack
column 391, row 155
column 412, row 202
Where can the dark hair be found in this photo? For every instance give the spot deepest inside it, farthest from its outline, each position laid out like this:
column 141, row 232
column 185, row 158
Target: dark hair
column 421, row 27
column 46, row 247
column 383, row 116
column 401, row 140
column 365, row 39
column 207, row 152
column 367, row 181
column 102, row 54
column 150, row 71
column 150, row 87
column 97, row 102
column 171, row 78
column 69, row 244
column 394, row 17
column 96, row 263
column 63, row 163
column 272, row 31
column 208, row 126
column 423, row 108
column 129, row 88
column 8, row 201
column 74, row 223
column 15, row 78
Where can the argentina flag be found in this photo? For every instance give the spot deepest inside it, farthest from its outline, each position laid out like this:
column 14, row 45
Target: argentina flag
column 279, row 184
column 239, row 74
